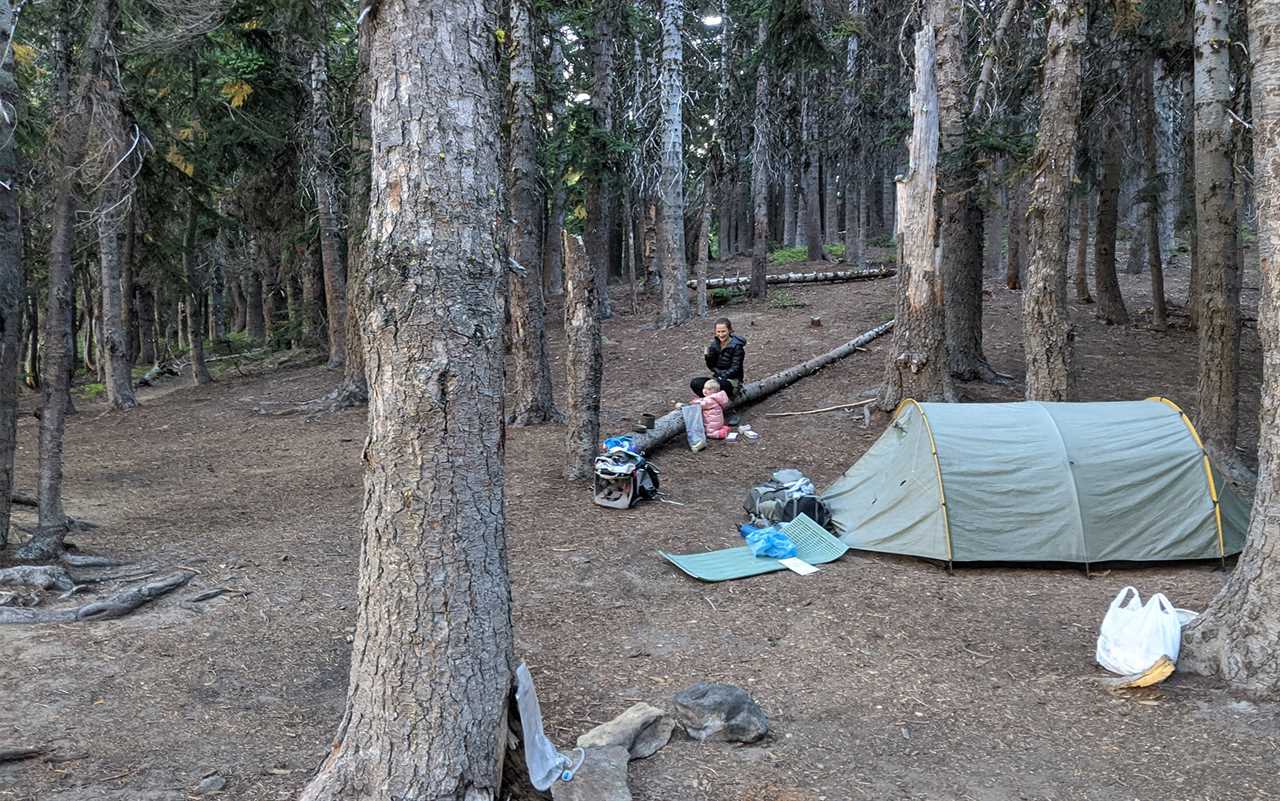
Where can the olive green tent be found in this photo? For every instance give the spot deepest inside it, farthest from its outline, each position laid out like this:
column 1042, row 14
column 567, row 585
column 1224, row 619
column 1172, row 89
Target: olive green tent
column 1039, row 482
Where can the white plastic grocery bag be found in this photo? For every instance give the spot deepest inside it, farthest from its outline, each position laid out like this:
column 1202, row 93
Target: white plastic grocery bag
column 1134, row 636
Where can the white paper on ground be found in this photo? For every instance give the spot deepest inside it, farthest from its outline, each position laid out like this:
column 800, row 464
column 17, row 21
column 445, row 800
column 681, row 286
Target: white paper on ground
column 797, row 565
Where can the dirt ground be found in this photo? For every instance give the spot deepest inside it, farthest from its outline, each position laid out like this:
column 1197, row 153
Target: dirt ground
column 883, row 677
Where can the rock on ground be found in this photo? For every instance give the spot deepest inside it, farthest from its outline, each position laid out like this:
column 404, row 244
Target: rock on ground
column 642, row 730
column 602, row 777
column 720, row 712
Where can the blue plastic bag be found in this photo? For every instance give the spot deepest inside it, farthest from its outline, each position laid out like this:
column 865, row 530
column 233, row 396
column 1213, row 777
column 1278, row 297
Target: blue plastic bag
column 768, row 543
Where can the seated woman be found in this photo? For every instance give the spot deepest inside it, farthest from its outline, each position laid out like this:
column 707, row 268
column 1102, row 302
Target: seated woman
column 725, row 358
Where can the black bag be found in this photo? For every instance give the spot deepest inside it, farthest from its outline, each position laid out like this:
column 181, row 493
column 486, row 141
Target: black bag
column 784, row 498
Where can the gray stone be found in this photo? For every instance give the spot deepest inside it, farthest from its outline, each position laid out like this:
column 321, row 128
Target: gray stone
column 720, row 712
column 602, row 777
column 213, row 783
column 642, row 730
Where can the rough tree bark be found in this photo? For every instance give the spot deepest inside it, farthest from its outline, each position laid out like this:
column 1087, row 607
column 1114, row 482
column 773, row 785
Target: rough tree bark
column 916, row 366
column 1017, row 232
column 675, row 271
column 1238, row 636
column 251, row 283
column 146, row 326
column 553, row 250
column 760, row 177
column 583, row 356
column 1146, row 98
column 1219, row 280
column 960, row 229
column 432, row 657
column 1110, row 302
column 699, row 265
column 532, row 401
column 855, row 176
column 195, row 294
column 789, row 208
column 811, row 197
column 1048, row 335
column 11, row 290
column 119, row 371
column 1083, row 203
column 325, row 185
column 71, row 136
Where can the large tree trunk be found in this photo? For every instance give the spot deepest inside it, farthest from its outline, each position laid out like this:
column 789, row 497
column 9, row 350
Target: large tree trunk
column 251, row 282
column 583, row 357
column 354, row 389
column 1083, row 202
column 760, row 178
column 812, row 197
column 119, row 371
column 1017, row 244
column 11, row 290
column 916, row 366
column 32, row 367
column 789, row 208
column 1146, row 97
column 147, row 326
column 432, row 657
column 325, row 185
column 553, row 244
column 1219, row 313
column 1238, row 636
column 830, row 228
column 961, row 224
column 699, row 264
column 675, row 272
column 855, row 173
column 532, row 401
column 1048, row 337
column 196, row 303
column 71, row 136
column 1110, row 302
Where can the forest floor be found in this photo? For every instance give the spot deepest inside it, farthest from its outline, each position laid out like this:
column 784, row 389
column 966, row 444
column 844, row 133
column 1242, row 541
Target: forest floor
column 883, row 677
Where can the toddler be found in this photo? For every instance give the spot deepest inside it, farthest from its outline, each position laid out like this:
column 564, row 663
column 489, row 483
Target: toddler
column 713, row 401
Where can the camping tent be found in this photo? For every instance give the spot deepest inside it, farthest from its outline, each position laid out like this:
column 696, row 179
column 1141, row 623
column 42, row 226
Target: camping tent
column 1039, row 482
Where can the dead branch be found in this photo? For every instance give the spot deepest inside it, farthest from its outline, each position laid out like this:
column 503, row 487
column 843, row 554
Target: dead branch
column 113, row 606
column 825, row 409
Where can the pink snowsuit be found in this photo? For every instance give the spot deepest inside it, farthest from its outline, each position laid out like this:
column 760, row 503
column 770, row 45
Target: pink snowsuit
column 713, row 414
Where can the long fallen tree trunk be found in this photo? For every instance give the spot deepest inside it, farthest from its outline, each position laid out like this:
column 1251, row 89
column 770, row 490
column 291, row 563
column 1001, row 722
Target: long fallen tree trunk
column 672, row 423
column 829, row 276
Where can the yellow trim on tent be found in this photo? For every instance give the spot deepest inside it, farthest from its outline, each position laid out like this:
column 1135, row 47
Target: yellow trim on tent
column 937, row 468
column 1208, row 468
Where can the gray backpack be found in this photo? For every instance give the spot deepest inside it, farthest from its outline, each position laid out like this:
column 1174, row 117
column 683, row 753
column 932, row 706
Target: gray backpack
column 784, row 498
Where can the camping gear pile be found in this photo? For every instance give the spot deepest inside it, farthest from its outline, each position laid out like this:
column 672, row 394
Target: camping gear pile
column 623, row 477
column 783, row 498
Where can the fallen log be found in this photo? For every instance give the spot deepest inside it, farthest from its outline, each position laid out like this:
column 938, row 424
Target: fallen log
column 113, row 606
column 672, row 423
column 826, row 276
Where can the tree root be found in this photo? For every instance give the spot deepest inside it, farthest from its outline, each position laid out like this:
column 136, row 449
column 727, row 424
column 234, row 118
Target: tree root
column 346, row 396
column 85, row 560
column 12, row 753
column 41, row 577
column 111, row 607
